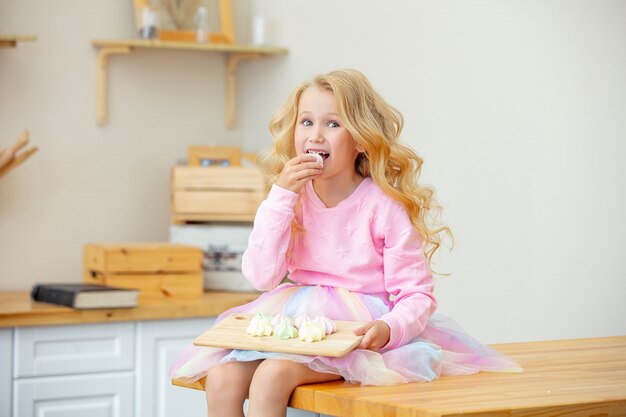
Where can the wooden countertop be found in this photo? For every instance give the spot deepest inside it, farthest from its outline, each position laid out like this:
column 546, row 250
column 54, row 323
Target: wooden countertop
column 581, row 377
column 17, row 309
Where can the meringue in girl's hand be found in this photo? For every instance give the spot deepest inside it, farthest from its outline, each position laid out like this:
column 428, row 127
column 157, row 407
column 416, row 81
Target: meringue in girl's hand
column 310, row 331
column 260, row 325
column 285, row 330
column 326, row 324
column 319, row 158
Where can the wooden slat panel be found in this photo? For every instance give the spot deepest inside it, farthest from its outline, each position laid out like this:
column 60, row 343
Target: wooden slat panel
column 216, row 202
column 142, row 257
column 196, row 154
column 217, row 178
column 190, row 285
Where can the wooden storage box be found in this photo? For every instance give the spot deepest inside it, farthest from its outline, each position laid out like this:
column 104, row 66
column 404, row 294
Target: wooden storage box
column 158, row 270
column 216, row 193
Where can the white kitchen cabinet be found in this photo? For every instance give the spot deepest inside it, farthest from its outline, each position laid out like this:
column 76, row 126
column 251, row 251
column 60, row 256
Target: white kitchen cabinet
column 159, row 342
column 74, row 349
column 99, row 370
column 6, row 371
column 94, row 395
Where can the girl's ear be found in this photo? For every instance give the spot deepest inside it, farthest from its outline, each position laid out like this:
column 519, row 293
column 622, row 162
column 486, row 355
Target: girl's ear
column 359, row 148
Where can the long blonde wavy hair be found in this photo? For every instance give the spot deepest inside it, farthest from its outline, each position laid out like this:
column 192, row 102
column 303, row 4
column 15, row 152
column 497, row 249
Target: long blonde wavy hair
column 376, row 126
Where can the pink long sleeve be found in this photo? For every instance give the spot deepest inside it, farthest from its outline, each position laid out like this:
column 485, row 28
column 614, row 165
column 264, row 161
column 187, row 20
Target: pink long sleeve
column 264, row 262
column 365, row 244
column 408, row 278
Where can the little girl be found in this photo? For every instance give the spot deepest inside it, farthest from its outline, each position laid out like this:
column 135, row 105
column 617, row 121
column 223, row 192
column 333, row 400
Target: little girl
column 351, row 232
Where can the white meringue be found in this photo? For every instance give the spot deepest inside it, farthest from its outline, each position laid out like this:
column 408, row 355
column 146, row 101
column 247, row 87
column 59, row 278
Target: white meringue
column 279, row 318
column 299, row 320
column 326, row 324
column 285, row 330
column 310, row 331
column 259, row 325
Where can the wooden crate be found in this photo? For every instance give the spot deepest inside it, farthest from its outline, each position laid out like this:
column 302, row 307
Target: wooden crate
column 213, row 155
column 152, row 286
column 216, row 193
column 158, row 270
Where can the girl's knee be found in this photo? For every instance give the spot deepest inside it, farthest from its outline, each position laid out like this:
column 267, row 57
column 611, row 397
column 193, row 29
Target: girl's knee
column 225, row 385
column 274, row 380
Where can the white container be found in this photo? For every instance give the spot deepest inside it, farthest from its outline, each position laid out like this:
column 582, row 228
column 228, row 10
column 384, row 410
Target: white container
column 259, row 30
column 223, row 245
column 202, row 24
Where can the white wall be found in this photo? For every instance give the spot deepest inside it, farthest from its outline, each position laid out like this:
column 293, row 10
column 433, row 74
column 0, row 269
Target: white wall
column 518, row 108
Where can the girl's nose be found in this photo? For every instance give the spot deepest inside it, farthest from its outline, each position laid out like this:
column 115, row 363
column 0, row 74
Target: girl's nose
column 316, row 135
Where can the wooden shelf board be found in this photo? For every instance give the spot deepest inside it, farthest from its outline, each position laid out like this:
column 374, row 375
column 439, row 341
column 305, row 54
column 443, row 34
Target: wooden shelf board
column 157, row 44
column 10, row 41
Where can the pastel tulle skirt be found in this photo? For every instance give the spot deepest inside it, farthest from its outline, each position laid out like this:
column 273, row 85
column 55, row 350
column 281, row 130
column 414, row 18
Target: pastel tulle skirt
column 442, row 349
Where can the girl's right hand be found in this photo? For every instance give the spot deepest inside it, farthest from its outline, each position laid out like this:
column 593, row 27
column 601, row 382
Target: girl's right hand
column 298, row 171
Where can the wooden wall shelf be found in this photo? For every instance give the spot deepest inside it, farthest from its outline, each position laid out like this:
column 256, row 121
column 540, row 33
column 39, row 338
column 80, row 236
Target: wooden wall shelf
column 10, row 41
column 235, row 54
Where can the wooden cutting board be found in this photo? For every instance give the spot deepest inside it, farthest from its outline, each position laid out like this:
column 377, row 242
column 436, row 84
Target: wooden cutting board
column 231, row 333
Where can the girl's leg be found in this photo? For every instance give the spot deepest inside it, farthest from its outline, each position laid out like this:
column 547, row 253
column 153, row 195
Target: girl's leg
column 273, row 382
column 227, row 387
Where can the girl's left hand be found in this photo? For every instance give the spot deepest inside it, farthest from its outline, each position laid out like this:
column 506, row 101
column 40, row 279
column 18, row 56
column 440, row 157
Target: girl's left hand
column 376, row 333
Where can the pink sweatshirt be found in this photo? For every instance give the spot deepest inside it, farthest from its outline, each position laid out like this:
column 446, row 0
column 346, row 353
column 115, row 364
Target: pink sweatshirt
column 364, row 244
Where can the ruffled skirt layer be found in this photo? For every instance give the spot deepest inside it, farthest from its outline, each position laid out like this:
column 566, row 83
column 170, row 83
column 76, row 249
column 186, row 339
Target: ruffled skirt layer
column 443, row 348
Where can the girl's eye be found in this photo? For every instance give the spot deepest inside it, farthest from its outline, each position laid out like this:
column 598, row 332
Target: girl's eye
column 333, row 124
column 307, row 123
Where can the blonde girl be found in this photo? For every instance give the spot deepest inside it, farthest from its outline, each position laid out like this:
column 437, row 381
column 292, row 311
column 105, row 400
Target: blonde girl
column 345, row 232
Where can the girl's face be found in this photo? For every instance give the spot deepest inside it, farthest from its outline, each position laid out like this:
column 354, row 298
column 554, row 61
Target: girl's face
column 319, row 129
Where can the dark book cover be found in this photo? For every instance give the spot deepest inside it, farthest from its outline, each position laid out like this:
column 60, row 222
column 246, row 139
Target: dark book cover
column 85, row 296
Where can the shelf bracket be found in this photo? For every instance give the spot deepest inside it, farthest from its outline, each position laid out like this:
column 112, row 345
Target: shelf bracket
column 102, row 81
column 231, row 84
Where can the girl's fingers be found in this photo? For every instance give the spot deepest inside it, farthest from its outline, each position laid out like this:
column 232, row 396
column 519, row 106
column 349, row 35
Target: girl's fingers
column 298, row 170
column 375, row 335
column 363, row 329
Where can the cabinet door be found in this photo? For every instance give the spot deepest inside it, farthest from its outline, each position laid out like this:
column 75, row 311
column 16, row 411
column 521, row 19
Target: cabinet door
column 160, row 342
column 6, row 370
column 97, row 395
column 74, row 349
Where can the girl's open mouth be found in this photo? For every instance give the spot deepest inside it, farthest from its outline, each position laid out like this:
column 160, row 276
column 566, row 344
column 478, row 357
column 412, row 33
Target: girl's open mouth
column 323, row 154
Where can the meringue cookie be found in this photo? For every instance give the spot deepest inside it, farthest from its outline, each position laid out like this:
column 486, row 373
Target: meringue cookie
column 299, row 320
column 310, row 331
column 285, row 330
column 326, row 324
column 259, row 325
column 279, row 318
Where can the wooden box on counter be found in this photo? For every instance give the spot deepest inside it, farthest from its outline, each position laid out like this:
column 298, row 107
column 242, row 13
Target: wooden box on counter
column 216, row 193
column 158, row 270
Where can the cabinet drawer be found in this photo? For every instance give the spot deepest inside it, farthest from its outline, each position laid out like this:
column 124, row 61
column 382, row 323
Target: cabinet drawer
column 109, row 395
column 64, row 350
